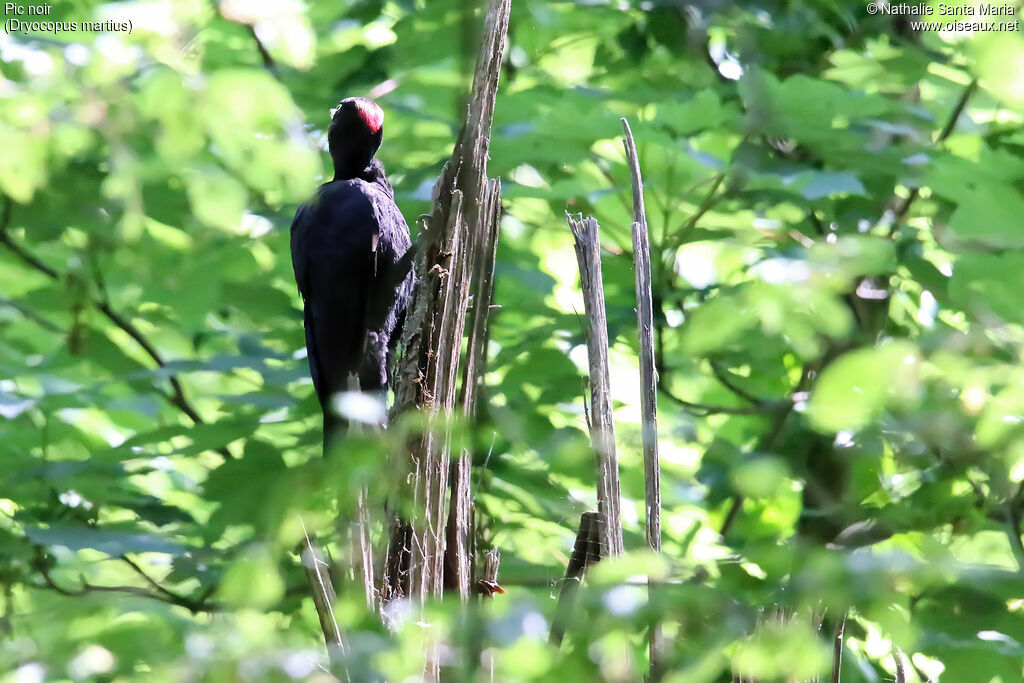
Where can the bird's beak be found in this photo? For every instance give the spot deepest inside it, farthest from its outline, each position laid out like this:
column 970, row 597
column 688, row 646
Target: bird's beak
column 491, row 587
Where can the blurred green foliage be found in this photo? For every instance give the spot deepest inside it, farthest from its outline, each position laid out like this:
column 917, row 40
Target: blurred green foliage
column 840, row 334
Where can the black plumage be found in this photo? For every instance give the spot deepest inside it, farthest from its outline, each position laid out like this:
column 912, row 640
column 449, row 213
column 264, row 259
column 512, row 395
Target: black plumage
column 348, row 245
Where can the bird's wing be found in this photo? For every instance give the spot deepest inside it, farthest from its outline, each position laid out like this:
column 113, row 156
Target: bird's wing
column 301, row 225
column 394, row 257
column 333, row 254
column 300, row 235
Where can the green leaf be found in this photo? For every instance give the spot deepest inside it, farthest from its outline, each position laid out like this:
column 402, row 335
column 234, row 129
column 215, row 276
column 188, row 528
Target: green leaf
column 106, row 540
column 216, row 198
column 252, row 581
column 854, row 389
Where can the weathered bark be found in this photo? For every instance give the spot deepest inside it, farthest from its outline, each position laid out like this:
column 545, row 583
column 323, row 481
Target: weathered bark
column 427, row 376
column 645, row 327
column 492, row 562
column 648, row 377
column 602, row 428
column 460, row 520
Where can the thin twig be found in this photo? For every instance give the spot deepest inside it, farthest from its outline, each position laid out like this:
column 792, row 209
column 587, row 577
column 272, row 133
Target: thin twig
column 28, row 313
column 766, row 443
column 901, row 213
column 85, row 588
column 702, row 409
column 723, row 377
column 177, row 397
column 705, row 205
column 837, row 650
column 322, row 592
column 172, row 597
column 268, row 60
column 901, row 673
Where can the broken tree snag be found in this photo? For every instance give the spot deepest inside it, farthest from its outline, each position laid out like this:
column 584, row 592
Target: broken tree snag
column 489, row 577
column 602, row 429
column 645, row 327
column 427, row 375
column 460, row 556
column 585, row 551
column 648, row 374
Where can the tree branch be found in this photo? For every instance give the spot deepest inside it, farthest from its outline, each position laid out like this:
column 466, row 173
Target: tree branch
column 322, row 591
column 901, row 213
column 268, row 61
column 704, row 409
column 587, row 550
column 766, row 443
column 726, row 381
column 705, row 205
column 177, row 396
column 159, row 593
column 194, row 606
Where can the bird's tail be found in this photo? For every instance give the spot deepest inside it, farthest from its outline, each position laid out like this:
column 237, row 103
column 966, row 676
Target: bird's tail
column 335, row 428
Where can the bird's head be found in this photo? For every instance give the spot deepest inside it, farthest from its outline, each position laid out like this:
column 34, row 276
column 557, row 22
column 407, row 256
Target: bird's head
column 354, row 135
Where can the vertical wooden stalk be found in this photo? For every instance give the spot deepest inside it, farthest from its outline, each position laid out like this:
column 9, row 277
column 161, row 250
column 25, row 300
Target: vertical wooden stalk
column 645, row 326
column 648, row 377
column 426, row 377
column 602, row 429
column 460, row 520
column 837, row 651
column 901, row 672
column 442, row 364
column 363, row 547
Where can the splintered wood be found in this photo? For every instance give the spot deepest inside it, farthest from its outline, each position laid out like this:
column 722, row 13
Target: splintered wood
column 602, row 429
column 458, row 248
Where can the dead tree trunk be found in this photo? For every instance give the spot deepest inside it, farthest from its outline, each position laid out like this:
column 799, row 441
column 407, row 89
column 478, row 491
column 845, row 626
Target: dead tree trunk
column 427, row 376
